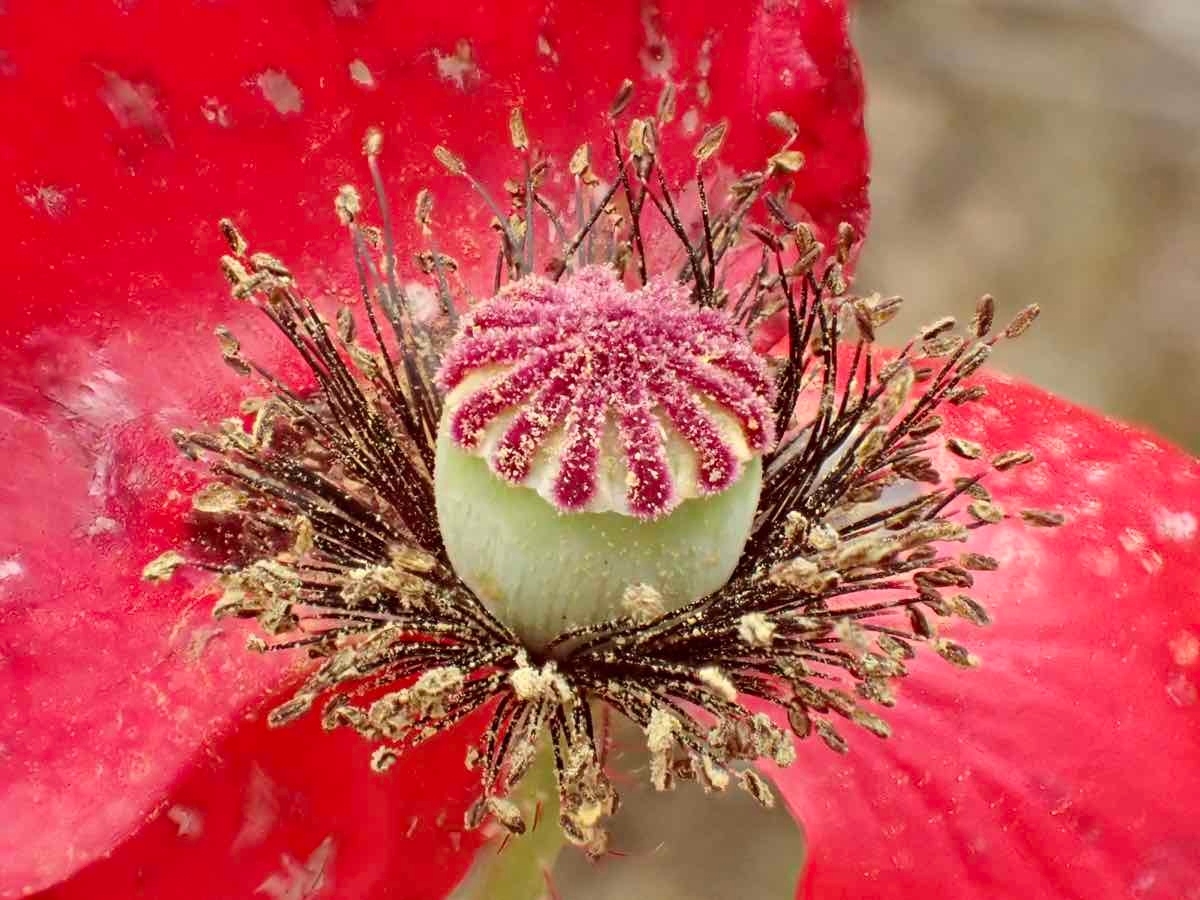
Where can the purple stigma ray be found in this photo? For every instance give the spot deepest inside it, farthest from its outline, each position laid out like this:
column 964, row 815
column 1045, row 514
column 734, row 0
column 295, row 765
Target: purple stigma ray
column 651, row 488
column 496, row 348
column 502, row 394
column 719, row 467
column 514, row 455
column 614, row 371
column 578, row 473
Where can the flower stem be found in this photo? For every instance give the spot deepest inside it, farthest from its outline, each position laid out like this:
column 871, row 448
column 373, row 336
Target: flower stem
column 520, row 868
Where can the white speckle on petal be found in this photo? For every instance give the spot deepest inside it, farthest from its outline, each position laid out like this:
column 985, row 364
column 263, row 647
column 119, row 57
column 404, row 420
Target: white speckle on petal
column 298, row 881
column 102, row 400
column 260, row 812
column 188, row 821
column 690, row 121
column 1144, row 882
column 1181, row 690
column 346, row 9
column 11, row 568
column 1037, row 479
column 656, row 54
column 100, row 484
column 1100, row 561
column 133, row 105
column 1012, row 545
column 704, row 60
column 137, row 766
column 1185, row 649
column 215, row 112
column 459, row 67
column 1056, row 446
column 545, row 49
column 423, row 302
column 361, row 75
column 1135, row 542
column 1132, row 540
column 280, row 91
column 1176, row 526
column 102, row 525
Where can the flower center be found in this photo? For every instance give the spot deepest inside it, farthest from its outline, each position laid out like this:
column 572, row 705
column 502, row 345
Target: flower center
column 622, row 432
column 598, row 512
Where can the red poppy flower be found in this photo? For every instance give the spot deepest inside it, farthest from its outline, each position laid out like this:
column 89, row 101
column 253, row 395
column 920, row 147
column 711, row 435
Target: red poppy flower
column 134, row 763
column 126, row 722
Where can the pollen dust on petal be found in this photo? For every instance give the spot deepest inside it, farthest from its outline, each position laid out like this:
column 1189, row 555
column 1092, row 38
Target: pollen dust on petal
column 46, row 198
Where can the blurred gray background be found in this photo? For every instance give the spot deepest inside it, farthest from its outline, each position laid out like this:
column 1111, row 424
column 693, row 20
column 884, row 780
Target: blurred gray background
column 1039, row 150
column 1049, row 151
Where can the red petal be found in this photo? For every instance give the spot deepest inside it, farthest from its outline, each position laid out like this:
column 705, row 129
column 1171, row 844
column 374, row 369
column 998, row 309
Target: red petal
column 151, row 123
column 293, row 812
column 110, row 685
column 794, row 58
column 139, row 127
column 1067, row 765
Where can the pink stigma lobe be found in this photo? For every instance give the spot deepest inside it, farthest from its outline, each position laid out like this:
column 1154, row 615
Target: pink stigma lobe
column 604, row 398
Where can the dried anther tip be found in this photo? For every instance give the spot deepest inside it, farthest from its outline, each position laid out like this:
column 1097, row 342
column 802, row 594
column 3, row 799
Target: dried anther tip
column 516, row 130
column 163, row 567
column 711, row 141
column 347, row 204
column 453, row 164
column 790, row 161
column 783, row 122
column 624, row 95
column 373, row 142
column 233, row 237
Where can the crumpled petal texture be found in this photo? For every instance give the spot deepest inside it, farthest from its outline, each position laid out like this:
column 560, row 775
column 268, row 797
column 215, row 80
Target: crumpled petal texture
column 131, row 129
column 1067, row 765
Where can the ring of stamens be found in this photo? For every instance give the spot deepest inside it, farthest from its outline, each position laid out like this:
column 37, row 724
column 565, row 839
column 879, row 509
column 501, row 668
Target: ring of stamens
column 847, row 570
